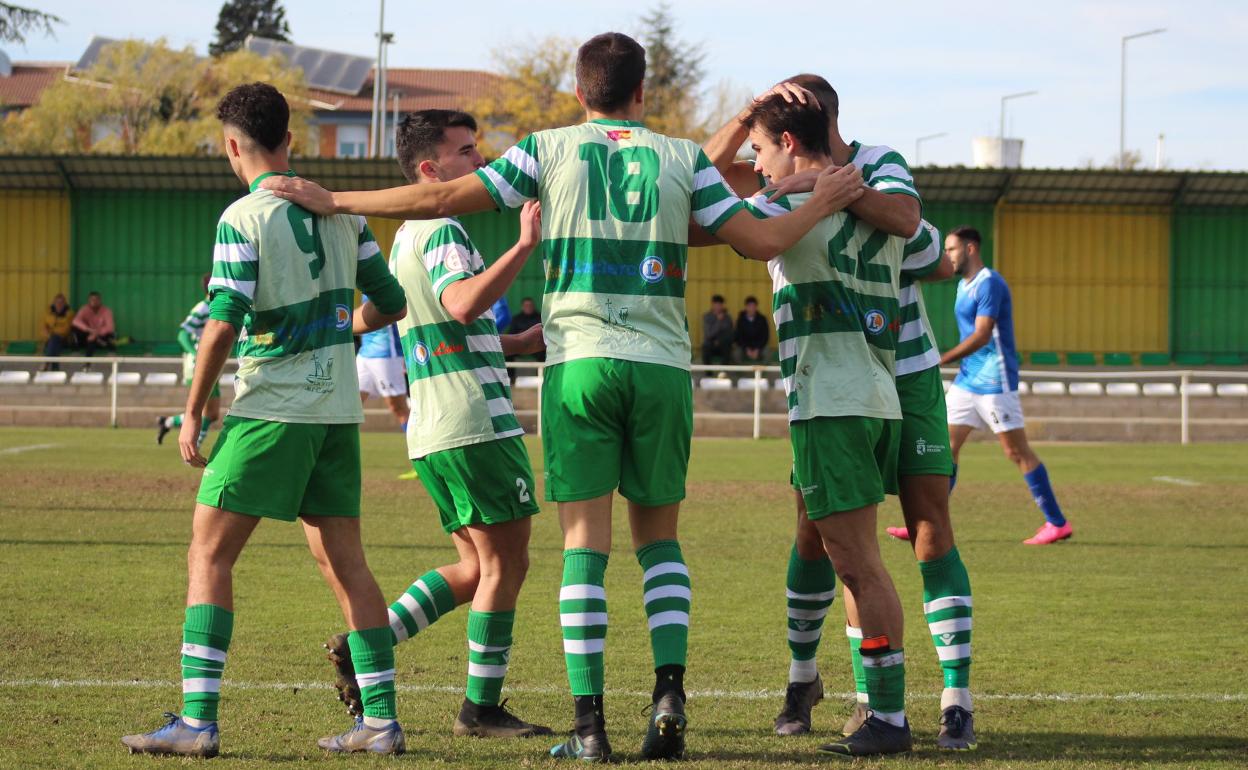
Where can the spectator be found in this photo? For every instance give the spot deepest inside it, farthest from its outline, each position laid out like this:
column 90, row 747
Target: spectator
column 526, row 319
column 752, row 334
column 57, row 325
column 717, row 333
column 93, row 326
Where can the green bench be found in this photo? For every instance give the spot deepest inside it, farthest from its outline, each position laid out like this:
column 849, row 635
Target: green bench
column 1045, row 358
column 1081, row 359
column 1118, row 359
column 22, row 348
column 1154, row 359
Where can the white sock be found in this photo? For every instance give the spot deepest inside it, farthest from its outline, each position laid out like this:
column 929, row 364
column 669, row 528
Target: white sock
column 861, row 697
column 894, row 718
column 169, row 423
column 955, row 696
column 198, row 723
column 803, row 671
column 378, row 722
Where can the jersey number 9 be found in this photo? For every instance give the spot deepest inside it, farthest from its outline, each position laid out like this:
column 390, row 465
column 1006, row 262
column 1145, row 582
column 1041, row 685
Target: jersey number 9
column 627, row 180
column 308, row 237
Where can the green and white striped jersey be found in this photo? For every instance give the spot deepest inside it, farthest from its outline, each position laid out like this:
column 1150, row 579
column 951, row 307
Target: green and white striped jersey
column 916, row 342
column 459, row 383
column 834, row 301
column 883, row 169
column 297, row 274
column 616, row 202
column 196, row 319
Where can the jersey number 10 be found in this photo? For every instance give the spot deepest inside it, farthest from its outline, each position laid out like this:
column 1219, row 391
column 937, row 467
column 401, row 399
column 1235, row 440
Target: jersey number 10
column 626, row 180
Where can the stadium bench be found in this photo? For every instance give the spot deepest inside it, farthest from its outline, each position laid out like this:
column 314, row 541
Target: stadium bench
column 1228, row 359
column 1045, row 358
column 1122, row 389
column 1023, row 388
column 1192, row 359
column 22, row 348
column 51, row 378
column 1160, row 389
column 227, row 380
column 87, row 378
column 529, row 381
column 1048, row 388
column 1199, row 389
column 1228, row 389
column 9, row 377
column 128, row 378
column 1081, row 359
column 1154, row 359
column 163, row 379
column 1118, row 359
column 1086, row 389
column 715, row 383
column 167, row 349
column 749, row 383
column 130, row 349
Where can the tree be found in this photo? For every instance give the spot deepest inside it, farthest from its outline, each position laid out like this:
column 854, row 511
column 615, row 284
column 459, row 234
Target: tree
column 147, row 99
column 674, row 76
column 240, row 18
column 16, row 21
column 535, row 93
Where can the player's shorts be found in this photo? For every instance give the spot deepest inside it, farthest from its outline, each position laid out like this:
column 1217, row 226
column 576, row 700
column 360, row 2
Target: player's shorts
column 282, row 470
column 188, row 375
column 844, row 463
column 999, row 411
column 609, row 423
column 924, row 448
column 490, row 483
column 383, row 377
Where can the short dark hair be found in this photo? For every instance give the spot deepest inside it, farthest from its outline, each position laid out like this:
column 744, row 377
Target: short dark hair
column 526, row 299
column 750, row 299
column 821, row 88
column 609, row 69
column 717, row 298
column 421, row 132
column 808, row 123
column 966, row 233
column 258, row 110
column 93, row 293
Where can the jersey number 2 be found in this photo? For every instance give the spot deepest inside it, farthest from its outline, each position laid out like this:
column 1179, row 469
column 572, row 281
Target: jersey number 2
column 523, row 489
column 308, row 237
column 626, row 180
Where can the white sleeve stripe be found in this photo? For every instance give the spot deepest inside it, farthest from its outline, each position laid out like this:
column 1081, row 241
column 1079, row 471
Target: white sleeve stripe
column 368, row 249
column 707, row 177
column 769, row 208
column 911, row 330
column 511, row 197
column 234, row 252
column 500, row 406
column 246, row 288
column 709, row 215
column 444, row 280
column 892, row 185
column 439, row 255
column 527, row 164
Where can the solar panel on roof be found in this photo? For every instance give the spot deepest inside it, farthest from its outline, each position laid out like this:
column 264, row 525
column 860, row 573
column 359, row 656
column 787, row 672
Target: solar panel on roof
column 327, row 70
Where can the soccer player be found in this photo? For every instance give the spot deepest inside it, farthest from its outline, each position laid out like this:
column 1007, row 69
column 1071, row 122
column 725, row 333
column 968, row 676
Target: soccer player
column 379, row 367
column 985, row 392
column 290, row 447
column 924, row 461
column 837, row 314
column 189, row 333
column 464, row 437
column 616, row 201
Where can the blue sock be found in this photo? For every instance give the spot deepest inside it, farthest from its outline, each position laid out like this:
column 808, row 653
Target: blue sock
column 403, row 427
column 953, row 479
column 1038, row 482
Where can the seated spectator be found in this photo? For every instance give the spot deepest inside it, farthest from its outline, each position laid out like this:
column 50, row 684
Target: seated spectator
column 93, row 326
column 526, row 319
column 752, row 334
column 717, row 333
column 57, row 325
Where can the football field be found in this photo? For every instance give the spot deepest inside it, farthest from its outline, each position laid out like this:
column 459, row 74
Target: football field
column 1124, row 647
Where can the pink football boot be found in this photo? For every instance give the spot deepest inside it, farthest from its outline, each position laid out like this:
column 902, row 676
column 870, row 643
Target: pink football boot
column 1049, row 534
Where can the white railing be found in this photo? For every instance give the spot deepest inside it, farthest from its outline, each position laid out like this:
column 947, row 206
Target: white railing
column 1183, row 377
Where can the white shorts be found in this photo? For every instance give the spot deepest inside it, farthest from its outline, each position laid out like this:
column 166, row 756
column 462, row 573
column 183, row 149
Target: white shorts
column 381, row 376
column 999, row 411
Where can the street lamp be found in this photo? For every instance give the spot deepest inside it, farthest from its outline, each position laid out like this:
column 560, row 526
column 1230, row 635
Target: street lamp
column 1006, row 98
column 918, row 143
column 1122, row 99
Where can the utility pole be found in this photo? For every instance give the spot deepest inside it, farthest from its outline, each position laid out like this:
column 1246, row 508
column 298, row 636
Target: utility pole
column 918, row 145
column 1006, row 98
column 378, row 106
column 1122, row 96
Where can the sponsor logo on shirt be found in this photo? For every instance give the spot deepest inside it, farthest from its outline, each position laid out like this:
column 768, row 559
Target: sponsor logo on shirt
column 652, row 269
column 619, row 134
column 444, row 349
column 921, row 447
column 342, row 317
column 554, row 271
column 321, row 380
column 875, row 321
column 420, row 353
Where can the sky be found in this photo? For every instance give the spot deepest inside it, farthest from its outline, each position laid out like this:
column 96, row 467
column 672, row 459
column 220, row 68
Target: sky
column 906, row 69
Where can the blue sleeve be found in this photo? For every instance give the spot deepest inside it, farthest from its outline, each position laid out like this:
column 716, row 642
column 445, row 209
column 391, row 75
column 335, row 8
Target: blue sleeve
column 502, row 314
column 990, row 298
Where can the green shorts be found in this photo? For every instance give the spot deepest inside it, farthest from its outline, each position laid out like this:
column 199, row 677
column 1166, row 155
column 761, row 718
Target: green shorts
column 282, row 470
column 844, row 463
column 490, row 483
column 609, row 423
column 924, row 449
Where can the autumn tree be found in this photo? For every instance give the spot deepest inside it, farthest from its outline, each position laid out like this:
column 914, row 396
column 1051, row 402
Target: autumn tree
column 16, row 21
column 147, row 99
column 240, row 18
column 534, row 93
column 674, row 75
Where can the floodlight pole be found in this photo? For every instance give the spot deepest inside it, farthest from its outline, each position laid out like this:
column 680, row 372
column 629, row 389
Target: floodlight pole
column 374, row 129
column 1122, row 96
column 918, row 144
column 1004, row 99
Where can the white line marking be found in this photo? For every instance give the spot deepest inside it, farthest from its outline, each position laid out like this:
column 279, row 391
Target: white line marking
column 1176, row 480
column 17, row 450
column 746, row 695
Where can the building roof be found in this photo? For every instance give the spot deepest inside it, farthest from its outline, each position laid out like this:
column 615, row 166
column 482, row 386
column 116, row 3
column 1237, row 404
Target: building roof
column 23, row 87
column 418, row 89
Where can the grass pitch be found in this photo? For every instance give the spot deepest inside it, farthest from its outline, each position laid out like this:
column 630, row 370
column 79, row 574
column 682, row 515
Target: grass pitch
column 1122, row 648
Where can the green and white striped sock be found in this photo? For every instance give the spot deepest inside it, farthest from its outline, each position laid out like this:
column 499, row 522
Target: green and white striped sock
column 947, row 606
column 205, row 640
column 809, row 590
column 885, row 670
column 204, row 425
column 372, row 654
column 426, row 600
column 489, row 648
column 583, row 616
column 854, row 634
column 667, row 597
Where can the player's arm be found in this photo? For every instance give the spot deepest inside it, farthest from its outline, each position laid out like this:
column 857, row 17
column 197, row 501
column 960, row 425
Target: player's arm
column 467, row 298
column 186, row 341
column 924, row 258
column 894, row 213
column 722, row 148
column 464, row 195
column 386, row 301
column 525, row 343
column 983, row 333
column 214, row 350
column 763, row 239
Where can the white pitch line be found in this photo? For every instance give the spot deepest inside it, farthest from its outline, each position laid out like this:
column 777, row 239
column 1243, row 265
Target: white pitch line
column 17, row 450
column 746, row 695
column 1176, row 480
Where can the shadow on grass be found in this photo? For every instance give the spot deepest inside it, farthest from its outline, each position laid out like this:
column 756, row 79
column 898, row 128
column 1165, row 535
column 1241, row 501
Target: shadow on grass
column 251, row 546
